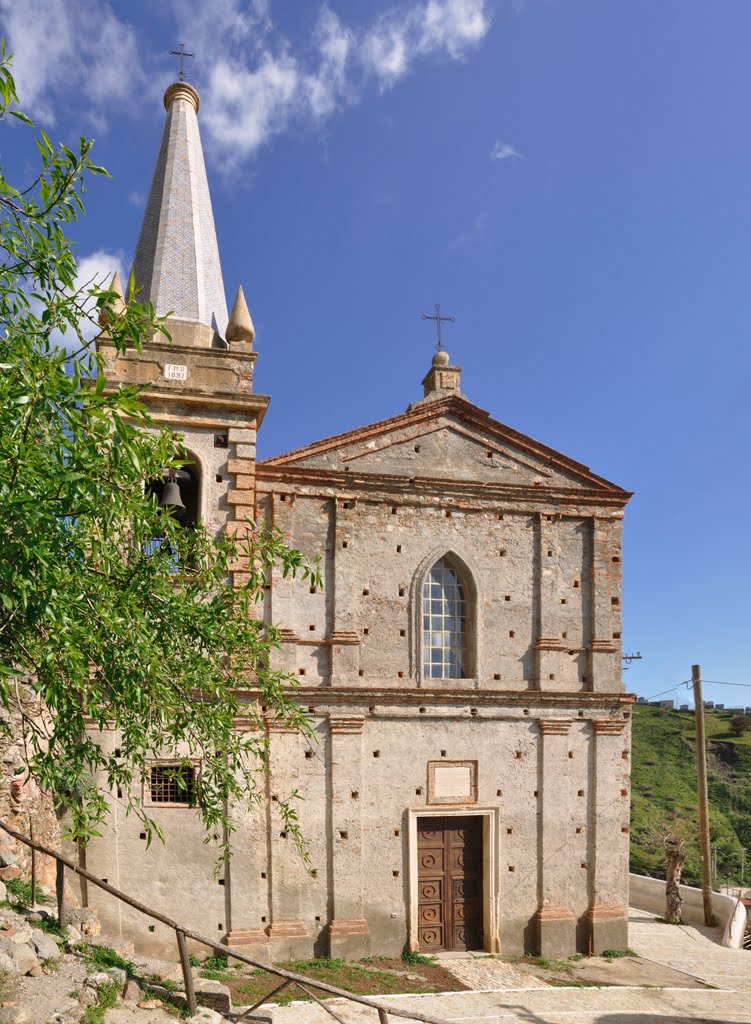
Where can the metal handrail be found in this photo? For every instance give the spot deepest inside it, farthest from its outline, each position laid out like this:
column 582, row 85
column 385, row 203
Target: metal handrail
column 182, row 933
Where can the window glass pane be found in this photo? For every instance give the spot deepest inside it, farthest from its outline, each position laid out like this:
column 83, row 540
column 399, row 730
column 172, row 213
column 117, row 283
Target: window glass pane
column 444, row 623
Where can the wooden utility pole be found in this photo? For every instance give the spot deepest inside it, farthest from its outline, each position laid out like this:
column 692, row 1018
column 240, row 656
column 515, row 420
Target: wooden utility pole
column 701, row 772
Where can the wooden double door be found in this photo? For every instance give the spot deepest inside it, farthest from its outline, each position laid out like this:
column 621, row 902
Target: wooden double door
column 449, row 883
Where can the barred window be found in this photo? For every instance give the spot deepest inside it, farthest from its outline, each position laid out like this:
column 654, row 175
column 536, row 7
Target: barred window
column 172, row 784
column 444, row 623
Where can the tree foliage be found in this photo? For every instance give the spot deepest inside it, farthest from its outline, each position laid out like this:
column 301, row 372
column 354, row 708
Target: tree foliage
column 96, row 624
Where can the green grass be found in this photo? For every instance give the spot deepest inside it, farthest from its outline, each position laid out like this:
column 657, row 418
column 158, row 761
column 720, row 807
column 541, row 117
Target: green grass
column 546, row 964
column 215, row 968
column 50, row 925
column 20, row 890
column 664, row 788
column 107, row 997
column 104, row 956
column 413, row 958
column 615, row 954
column 372, row 976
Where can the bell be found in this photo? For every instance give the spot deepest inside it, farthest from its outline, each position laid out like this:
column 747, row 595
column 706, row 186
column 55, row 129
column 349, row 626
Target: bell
column 171, row 498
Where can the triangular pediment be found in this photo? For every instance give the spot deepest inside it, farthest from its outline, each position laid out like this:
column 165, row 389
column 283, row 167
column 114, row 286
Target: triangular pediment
column 451, row 439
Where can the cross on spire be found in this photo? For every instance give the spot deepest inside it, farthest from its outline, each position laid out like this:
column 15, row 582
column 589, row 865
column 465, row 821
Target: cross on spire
column 438, row 320
column 182, row 53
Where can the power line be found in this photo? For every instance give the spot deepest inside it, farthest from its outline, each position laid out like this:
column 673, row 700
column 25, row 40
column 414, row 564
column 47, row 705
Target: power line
column 686, row 682
column 718, row 682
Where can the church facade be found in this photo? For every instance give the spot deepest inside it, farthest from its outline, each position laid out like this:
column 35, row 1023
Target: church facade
column 466, row 785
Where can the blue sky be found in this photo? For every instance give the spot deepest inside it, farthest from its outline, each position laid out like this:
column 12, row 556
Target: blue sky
column 569, row 178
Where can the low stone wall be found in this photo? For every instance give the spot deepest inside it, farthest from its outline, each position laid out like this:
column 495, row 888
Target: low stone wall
column 649, row 894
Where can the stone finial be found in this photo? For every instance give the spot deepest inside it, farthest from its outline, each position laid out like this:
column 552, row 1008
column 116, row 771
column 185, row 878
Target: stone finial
column 240, row 326
column 442, row 379
column 106, row 314
column 181, row 91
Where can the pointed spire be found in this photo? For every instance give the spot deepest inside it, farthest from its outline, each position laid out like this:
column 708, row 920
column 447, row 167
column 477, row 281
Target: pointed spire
column 240, row 326
column 176, row 263
column 118, row 304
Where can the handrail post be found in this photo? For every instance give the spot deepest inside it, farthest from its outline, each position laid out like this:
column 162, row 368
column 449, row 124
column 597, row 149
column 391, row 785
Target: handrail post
column 60, row 892
column 190, row 992
column 33, row 866
column 383, row 1017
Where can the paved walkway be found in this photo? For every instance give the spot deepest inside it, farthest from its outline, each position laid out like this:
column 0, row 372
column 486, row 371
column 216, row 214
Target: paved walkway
column 695, row 951
column 487, row 973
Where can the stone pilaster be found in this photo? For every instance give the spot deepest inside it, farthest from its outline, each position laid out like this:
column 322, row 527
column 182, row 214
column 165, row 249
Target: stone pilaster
column 550, row 651
column 241, row 465
column 604, row 666
column 348, row 930
column 283, row 592
column 556, row 925
column 609, row 843
column 345, row 638
column 288, row 934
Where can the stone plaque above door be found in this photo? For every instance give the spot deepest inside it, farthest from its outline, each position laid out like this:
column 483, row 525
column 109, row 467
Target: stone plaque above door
column 452, row 782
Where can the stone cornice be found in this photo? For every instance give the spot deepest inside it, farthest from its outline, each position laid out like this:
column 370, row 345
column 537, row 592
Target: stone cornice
column 605, row 911
column 551, row 643
column 448, row 491
column 557, row 912
column 554, row 726
column 608, row 726
column 326, row 695
column 342, row 725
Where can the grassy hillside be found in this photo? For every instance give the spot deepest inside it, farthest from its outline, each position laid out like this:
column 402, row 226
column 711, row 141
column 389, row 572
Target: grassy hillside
column 664, row 788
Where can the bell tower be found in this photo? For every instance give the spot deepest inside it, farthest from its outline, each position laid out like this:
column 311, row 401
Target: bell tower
column 201, row 382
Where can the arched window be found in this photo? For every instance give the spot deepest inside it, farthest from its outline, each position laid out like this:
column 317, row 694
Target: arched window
column 444, row 623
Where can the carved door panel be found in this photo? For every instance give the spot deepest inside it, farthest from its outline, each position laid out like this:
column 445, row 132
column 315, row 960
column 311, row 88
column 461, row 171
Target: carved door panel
column 449, row 882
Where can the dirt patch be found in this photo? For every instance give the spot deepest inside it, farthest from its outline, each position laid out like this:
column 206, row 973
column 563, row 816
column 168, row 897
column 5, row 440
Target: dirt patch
column 366, row 977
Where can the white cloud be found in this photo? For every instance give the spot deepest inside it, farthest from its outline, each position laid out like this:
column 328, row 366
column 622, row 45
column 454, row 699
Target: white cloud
column 69, row 49
column 259, row 87
column 254, row 83
column 504, row 151
column 400, row 36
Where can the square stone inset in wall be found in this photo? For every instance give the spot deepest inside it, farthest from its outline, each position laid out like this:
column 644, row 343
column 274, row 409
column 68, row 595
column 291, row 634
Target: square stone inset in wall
column 452, row 782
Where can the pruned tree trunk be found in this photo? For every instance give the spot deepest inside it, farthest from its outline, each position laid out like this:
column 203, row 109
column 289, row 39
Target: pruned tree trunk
column 675, row 859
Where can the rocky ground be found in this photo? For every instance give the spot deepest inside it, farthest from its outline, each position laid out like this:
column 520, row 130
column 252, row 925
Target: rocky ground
column 49, row 977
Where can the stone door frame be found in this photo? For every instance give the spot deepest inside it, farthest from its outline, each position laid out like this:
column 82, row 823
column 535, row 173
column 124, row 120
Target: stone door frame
column 490, row 868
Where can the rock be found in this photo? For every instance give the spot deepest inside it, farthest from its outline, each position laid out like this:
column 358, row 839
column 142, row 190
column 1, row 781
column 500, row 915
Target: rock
column 44, row 946
column 73, row 936
column 7, row 858
column 3, row 892
column 23, row 957
column 7, row 966
column 213, row 994
column 132, row 992
column 88, row 996
column 98, row 978
column 15, row 1015
column 34, row 914
column 83, row 919
column 10, row 872
column 21, row 933
column 206, row 1016
column 36, row 972
column 118, row 975
column 150, row 1004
